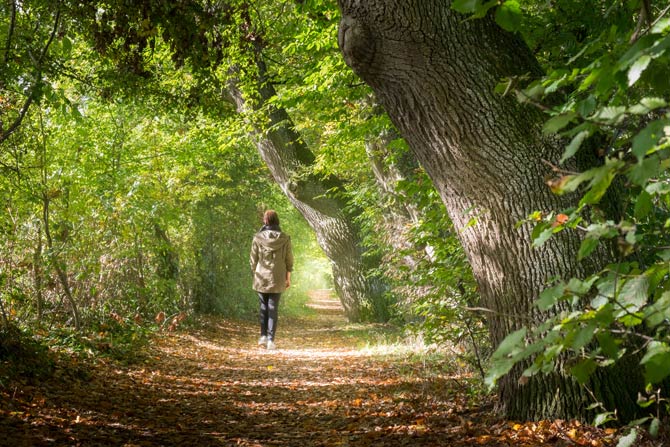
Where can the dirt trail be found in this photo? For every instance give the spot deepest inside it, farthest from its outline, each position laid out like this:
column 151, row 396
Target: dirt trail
column 215, row 387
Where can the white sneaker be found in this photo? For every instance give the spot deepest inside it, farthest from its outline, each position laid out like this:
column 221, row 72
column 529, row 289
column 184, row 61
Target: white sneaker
column 271, row 345
column 263, row 340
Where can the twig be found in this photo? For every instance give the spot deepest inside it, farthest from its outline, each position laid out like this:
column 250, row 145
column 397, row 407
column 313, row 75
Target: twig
column 660, row 16
column 495, row 312
column 558, row 169
column 532, row 102
column 476, row 348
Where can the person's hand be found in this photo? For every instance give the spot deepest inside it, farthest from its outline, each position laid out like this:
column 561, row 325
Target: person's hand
column 288, row 283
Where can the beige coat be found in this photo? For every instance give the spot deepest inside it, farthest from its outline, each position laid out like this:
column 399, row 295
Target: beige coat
column 271, row 257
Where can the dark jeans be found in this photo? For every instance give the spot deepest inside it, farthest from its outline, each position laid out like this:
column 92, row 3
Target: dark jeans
column 269, row 304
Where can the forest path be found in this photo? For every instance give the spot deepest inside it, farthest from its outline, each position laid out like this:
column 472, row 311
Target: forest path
column 215, row 387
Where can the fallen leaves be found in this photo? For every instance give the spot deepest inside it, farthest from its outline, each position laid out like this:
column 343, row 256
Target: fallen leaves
column 214, row 386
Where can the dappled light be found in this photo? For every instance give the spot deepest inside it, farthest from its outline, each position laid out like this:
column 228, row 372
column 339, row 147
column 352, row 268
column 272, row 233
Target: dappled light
column 213, row 386
column 459, row 211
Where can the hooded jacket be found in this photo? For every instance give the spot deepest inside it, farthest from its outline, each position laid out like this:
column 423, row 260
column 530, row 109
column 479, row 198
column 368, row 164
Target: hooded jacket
column 271, row 257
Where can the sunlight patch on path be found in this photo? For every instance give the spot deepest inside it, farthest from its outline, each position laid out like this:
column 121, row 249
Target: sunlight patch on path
column 252, row 350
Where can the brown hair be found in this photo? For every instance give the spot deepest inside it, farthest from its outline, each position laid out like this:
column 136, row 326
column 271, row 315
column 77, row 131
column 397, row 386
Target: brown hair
column 270, row 217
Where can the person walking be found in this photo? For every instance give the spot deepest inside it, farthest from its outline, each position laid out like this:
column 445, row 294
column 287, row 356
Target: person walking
column 271, row 262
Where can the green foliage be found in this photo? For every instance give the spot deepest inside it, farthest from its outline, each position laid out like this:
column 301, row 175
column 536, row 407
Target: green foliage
column 608, row 94
column 147, row 182
column 507, row 13
column 432, row 285
column 149, row 208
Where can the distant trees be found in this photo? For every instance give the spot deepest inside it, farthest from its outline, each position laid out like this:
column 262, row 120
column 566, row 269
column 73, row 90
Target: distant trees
column 125, row 209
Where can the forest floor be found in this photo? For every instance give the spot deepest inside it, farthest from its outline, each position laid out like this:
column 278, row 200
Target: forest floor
column 213, row 386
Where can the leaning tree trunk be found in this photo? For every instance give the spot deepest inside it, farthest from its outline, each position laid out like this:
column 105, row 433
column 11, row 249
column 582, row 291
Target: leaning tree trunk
column 397, row 214
column 435, row 74
column 287, row 157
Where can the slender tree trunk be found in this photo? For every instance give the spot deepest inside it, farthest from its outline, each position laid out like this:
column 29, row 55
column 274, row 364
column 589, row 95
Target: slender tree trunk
column 56, row 262
column 139, row 259
column 38, row 274
column 168, row 259
column 288, row 158
column 53, row 256
column 435, row 73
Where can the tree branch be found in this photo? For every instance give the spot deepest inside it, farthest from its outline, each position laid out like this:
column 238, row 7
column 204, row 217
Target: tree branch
column 644, row 17
column 10, row 32
column 17, row 122
column 51, row 39
column 4, row 134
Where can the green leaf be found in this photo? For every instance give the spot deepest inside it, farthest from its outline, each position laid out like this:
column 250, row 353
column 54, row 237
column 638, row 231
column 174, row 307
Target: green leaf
column 659, row 47
column 558, row 122
column 583, row 336
column 658, row 188
column 586, row 248
column 661, row 26
column 603, row 418
column 637, row 68
column 572, row 182
column 602, row 230
column 657, row 274
column 608, row 344
column 646, row 105
column 610, row 115
column 640, row 47
column 653, row 427
column 647, row 138
column 580, row 287
column 482, row 9
column 497, row 369
column 67, row 46
column 465, row 6
column 643, row 205
column 583, row 370
column 659, row 311
column 575, row 144
column 586, row 106
column 656, row 362
column 509, row 15
column 510, row 343
column 542, row 237
column 549, row 297
column 628, row 440
column 633, row 294
column 641, row 172
column 598, row 186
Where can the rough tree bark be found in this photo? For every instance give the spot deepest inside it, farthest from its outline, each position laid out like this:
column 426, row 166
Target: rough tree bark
column 288, row 158
column 435, row 73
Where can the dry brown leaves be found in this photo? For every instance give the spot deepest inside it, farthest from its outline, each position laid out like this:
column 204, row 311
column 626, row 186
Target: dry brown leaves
column 215, row 387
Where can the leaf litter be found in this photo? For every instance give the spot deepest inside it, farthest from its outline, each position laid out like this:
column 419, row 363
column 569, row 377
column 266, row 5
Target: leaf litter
column 213, row 386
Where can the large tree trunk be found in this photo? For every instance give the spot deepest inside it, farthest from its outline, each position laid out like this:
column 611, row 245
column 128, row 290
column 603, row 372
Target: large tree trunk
column 288, row 158
column 435, row 74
